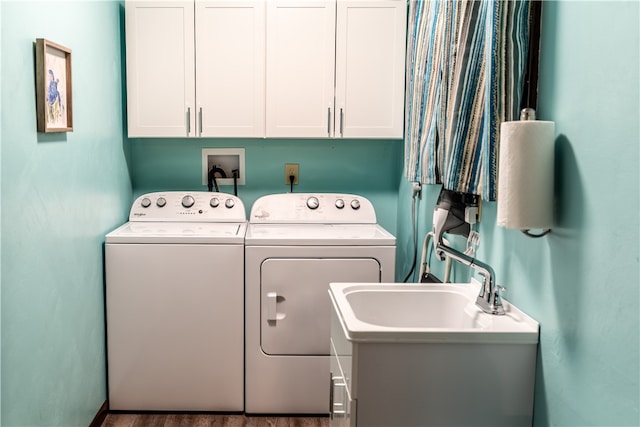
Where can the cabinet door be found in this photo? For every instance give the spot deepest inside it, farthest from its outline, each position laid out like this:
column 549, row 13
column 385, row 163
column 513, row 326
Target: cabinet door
column 160, row 68
column 370, row 56
column 300, row 68
column 230, row 59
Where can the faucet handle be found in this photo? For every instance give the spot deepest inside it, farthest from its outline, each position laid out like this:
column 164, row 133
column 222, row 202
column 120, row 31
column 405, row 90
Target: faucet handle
column 485, row 277
column 497, row 294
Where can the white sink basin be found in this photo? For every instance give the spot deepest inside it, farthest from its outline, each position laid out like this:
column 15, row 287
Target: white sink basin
column 426, row 355
column 426, row 313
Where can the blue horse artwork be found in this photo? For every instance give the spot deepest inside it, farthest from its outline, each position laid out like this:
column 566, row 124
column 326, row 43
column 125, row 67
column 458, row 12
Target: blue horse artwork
column 55, row 107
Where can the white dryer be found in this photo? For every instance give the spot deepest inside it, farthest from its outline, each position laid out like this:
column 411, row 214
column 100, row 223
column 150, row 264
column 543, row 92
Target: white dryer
column 174, row 304
column 296, row 244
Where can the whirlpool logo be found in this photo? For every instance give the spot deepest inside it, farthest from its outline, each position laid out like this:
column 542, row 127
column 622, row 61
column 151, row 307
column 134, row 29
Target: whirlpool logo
column 138, row 214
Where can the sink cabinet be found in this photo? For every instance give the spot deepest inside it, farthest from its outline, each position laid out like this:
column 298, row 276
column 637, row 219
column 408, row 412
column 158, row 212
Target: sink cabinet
column 335, row 69
column 394, row 383
column 195, row 68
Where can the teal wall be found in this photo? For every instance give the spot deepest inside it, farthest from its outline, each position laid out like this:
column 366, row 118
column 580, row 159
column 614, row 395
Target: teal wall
column 371, row 168
column 0, row 221
column 581, row 281
column 60, row 194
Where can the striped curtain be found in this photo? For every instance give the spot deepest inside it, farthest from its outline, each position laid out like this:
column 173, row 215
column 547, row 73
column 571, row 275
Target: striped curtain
column 465, row 73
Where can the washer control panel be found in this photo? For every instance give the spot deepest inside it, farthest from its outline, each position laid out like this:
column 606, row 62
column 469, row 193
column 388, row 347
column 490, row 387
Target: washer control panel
column 196, row 206
column 321, row 208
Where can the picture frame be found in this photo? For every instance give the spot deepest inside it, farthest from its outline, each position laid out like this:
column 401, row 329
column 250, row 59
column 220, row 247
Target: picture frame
column 54, row 101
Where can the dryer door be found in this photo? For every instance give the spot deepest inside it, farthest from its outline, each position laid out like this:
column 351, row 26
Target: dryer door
column 295, row 304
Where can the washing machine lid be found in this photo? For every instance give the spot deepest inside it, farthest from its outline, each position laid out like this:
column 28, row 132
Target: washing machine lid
column 318, row 235
column 179, row 232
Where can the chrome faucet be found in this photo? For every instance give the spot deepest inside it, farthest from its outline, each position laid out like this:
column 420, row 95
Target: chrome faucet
column 489, row 298
column 451, row 215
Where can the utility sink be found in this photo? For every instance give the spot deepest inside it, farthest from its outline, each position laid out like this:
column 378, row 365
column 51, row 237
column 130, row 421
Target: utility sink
column 426, row 355
column 426, row 313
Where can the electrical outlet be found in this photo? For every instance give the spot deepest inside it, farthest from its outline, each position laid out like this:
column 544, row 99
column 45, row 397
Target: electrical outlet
column 291, row 169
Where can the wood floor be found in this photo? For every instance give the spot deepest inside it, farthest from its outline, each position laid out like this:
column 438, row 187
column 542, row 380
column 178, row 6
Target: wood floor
column 209, row 420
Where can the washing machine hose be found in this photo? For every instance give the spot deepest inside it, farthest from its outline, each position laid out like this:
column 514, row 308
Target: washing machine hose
column 211, row 178
column 415, row 238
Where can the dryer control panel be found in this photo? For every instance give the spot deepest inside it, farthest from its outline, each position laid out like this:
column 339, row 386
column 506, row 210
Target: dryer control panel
column 195, row 206
column 313, row 208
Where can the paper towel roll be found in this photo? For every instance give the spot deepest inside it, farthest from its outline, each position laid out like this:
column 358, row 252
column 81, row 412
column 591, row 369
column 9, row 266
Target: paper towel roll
column 525, row 174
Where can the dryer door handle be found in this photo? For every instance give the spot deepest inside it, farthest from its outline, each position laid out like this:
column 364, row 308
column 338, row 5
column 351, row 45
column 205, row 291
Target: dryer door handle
column 272, row 301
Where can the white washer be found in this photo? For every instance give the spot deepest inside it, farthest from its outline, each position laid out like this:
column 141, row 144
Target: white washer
column 296, row 244
column 174, row 301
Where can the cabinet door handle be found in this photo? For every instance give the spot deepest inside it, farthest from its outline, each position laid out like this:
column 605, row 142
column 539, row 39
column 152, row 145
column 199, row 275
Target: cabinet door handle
column 331, row 395
column 341, row 123
column 200, row 121
column 188, row 120
column 338, row 409
column 329, row 121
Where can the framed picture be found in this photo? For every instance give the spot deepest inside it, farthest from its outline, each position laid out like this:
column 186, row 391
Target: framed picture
column 54, row 105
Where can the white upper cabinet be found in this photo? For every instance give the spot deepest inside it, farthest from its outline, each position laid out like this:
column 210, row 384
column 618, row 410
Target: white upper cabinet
column 195, row 68
column 336, row 69
column 160, row 61
column 266, row 68
column 370, row 69
column 300, row 68
column 230, row 68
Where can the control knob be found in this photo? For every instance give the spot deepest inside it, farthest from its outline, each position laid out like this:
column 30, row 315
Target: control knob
column 355, row 204
column 229, row 203
column 188, row 201
column 214, row 202
column 161, row 202
column 146, row 202
column 313, row 203
column 339, row 203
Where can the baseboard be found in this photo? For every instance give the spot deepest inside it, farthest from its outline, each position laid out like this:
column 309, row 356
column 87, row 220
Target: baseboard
column 100, row 415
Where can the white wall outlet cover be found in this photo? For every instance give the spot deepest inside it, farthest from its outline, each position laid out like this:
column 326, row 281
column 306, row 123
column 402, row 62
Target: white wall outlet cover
column 225, row 160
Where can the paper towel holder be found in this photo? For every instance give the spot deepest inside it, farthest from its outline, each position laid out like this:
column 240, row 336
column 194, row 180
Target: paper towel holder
column 530, row 114
column 535, row 236
column 526, row 219
column 530, row 100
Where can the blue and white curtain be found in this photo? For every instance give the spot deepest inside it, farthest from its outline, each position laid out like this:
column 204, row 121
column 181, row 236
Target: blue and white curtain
column 466, row 62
